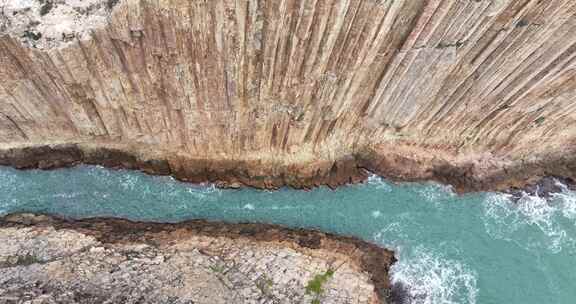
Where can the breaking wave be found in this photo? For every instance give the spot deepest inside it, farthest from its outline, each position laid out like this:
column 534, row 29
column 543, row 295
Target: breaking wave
column 379, row 183
column 435, row 193
column 541, row 223
column 425, row 277
column 248, row 207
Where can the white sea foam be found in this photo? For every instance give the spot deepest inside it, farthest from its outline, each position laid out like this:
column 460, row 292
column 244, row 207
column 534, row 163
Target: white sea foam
column 379, row 182
column 434, row 193
column 533, row 222
column 67, row 195
column 432, row 279
column 567, row 201
column 376, row 213
column 97, row 171
column 248, row 207
column 203, row 192
column 128, row 182
column 426, row 276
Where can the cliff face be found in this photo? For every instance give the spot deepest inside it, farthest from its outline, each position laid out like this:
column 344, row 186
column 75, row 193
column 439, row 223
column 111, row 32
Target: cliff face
column 480, row 94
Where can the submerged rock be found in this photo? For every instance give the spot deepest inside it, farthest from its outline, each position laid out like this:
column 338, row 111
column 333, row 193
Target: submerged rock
column 544, row 188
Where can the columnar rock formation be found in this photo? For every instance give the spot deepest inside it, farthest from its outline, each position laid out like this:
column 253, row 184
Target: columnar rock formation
column 270, row 92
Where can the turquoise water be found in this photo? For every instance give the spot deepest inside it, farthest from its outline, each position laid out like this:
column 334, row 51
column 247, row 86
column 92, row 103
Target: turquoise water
column 476, row 248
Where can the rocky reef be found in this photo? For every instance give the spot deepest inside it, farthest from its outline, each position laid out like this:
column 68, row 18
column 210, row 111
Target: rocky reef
column 478, row 94
column 53, row 260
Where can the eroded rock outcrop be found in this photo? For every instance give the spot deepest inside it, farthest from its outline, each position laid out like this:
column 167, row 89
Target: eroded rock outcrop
column 480, row 94
column 47, row 260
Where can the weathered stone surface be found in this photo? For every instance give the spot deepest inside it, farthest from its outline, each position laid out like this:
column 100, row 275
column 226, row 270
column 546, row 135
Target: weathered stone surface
column 47, row 260
column 480, row 94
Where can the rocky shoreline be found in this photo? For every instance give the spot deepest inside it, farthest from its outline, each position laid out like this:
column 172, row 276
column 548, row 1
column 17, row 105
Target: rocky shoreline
column 47, row 258
column 396, row 165
column 30, row 277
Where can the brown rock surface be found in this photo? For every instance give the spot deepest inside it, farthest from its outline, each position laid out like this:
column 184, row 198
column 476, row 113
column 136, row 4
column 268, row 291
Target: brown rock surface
column 47, row 260
column 479, row 94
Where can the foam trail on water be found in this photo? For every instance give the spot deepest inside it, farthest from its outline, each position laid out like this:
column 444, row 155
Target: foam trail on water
column 204, row 192
column 286, row 208
column 67, row 195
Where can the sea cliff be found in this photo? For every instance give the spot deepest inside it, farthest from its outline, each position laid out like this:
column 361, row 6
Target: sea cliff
column 478, row 94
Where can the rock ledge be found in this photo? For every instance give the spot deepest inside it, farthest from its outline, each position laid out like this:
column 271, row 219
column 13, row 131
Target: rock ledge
column 45, row 259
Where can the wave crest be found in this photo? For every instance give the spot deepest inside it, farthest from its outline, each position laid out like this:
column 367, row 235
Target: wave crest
column 542, row 223
column 428, row 278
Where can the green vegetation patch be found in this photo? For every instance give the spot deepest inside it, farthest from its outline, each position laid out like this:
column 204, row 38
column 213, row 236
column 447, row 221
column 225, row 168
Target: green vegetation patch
column 217, row 268
column 539, row 120
column 265, row 284
column 314, row 286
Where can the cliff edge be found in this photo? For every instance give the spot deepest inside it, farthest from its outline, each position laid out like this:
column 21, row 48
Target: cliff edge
column 479, row 94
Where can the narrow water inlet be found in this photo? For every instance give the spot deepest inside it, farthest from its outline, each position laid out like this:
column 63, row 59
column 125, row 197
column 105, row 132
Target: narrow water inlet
column 475, row 248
